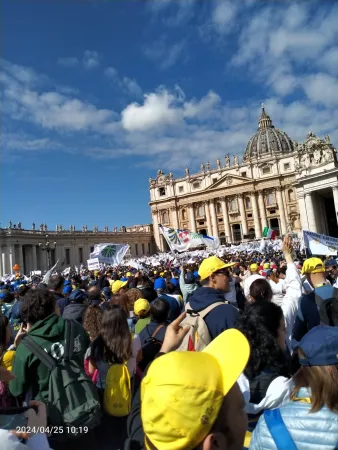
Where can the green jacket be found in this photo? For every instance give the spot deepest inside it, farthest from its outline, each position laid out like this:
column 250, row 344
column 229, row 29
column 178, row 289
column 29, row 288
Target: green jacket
column 31, row 376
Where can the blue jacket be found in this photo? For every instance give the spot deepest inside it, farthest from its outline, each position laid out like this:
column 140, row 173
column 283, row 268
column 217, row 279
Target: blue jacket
column 310, row 431
column 308, row 315
column 219, row 319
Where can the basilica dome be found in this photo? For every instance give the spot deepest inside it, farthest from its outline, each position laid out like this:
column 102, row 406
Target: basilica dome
column 268, row 139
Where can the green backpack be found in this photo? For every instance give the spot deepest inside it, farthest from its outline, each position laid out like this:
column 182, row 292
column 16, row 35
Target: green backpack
column 73, row 401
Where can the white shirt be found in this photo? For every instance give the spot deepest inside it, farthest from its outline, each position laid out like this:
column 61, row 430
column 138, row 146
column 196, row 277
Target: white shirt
column 278, row 291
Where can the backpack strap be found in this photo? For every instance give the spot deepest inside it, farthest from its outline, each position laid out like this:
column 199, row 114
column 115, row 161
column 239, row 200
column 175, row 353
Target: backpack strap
column 39, row 352
column 278, row 430
column 69, row 340
column 206, row 311
column 157, row 330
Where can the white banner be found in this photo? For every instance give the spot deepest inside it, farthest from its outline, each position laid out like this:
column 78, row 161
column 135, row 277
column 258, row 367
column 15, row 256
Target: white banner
column 320, row 244
column 112, row 254
column 183, row 240
column 93, row 264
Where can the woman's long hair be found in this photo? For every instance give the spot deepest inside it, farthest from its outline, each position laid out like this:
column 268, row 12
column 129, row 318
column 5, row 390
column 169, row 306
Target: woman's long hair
column 260, row 291
column 92, row 321
column 122, row 301
column 260, row 323
column 323, row 382
column 114, row 343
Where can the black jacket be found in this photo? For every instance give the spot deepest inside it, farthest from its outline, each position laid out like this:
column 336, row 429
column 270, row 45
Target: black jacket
column 74, row 311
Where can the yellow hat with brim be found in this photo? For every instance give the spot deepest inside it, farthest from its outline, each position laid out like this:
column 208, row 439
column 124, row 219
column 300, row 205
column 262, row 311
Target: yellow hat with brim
column 117, row 285
column 266, row 266
column 128, row 274
column 253, row 267
column 313, row 265
column 182, row 393
column 141, row 305
column 211, row 265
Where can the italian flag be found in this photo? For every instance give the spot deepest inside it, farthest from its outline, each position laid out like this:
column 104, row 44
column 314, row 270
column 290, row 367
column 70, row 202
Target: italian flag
column 269, row 233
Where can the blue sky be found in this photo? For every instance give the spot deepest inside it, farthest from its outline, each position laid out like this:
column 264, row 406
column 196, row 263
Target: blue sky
column 98, row 95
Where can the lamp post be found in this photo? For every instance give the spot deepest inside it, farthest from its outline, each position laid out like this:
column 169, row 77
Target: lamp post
column 47, row 247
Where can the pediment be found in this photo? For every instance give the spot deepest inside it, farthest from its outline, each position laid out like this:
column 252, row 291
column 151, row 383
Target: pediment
column 229, row 180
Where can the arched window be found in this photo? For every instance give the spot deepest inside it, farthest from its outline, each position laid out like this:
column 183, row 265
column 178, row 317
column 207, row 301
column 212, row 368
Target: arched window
column 184, row 214
column 248, row 202
column 200, row 211
column 165, row 217
column 233, row 206
column 219, row 208
column 291, row 195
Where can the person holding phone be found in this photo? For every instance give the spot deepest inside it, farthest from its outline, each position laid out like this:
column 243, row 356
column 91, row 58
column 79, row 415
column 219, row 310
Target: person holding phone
column 17, row 424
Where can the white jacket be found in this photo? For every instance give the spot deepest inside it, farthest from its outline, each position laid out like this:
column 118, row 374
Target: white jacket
column 278, row 394
column 293, row 288
column 11, row 442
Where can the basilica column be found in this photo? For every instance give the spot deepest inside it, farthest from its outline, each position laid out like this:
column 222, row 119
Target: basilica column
column 192, row 218
column 243, row 216
column 258, row 230
column 207, row 213
column 226, row 220
column 281, row 210
column 174, row 216
column 262, row 209
column 157, row 235
column 20, row 258
column 10, row 257
column 311, row 219
column 213, row 218
column 335, row 199
column 302, row 212
column 1, row 268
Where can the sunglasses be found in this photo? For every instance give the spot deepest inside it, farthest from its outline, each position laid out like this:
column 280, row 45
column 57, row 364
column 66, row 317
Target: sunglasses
column 222, row 272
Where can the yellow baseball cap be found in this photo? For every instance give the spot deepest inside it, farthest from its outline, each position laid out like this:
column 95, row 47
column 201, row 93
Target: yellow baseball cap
column 117, row 285
column 253, row 267
column 141, row 305
column 211, row 265
column 266, row 266
column 182, row 393
column 128, row 274
column 313, row 265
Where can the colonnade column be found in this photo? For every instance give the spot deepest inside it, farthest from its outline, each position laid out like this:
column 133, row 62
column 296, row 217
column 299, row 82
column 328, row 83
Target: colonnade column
column 262, row 212
column 20, row 258
column 281, row 210
column 213, row 218
column 207, row 213
column 34, row 259
column 258, row 230
column 3, row 259
column 192, row 218
column 226, row 220
column 243, row 216
column 311, row 219
column 335, row 199
column 10, row 256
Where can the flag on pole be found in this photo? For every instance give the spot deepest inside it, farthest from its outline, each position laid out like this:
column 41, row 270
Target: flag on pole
column 183, row 240
column 269, row 233
column 110, row 253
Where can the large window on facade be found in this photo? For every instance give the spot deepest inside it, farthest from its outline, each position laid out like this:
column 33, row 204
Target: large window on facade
column 196, row 185
column 165, row 217
column 184, row 214
column 219, row 208
column 270, row 198
column 266, row 170
column 291, row 195
column 200, row 211
column 247, row 202
column 161, row 191
column 233, row 205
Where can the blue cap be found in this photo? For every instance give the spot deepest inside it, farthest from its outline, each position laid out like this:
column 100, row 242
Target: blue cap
column 196, row 274
column 66, row 283
column 77, row 296
column 67, row 289
column 174, row 281
column 189, row 278
column 330, row 263
column 106, row 292
column 320, row 346
column 159, row 283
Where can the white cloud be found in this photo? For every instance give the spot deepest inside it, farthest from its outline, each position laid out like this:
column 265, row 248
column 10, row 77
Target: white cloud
column 158, row 110
column 68, row 61
column 329, row 61
column 223, row 16
column 91, row 59
column 322, row 88
column 126, row 84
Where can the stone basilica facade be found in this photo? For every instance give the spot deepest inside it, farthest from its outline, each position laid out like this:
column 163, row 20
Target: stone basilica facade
column 279, row 183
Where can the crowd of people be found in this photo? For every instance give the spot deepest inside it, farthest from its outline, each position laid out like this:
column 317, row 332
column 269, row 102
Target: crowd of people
column 231, row 352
